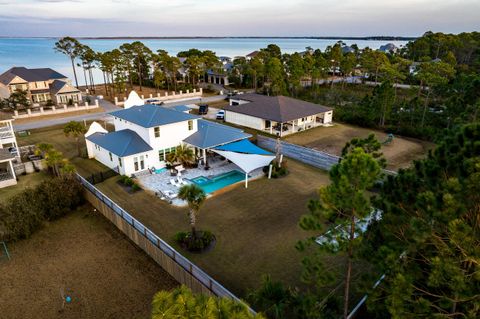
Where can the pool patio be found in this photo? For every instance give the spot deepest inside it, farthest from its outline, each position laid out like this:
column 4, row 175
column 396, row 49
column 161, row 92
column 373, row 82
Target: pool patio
column 160, row 183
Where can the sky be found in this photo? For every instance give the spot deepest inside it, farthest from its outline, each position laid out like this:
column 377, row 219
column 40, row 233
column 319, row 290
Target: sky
column 99, row 18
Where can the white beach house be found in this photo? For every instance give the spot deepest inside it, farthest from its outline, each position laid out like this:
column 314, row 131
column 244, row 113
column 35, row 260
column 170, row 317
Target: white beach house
column 145, row 134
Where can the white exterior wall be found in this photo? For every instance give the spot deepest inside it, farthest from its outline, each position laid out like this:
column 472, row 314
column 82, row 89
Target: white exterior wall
column 127, row 168
column 128, row 162
column 171, row 135
column 328, row 117
column 244, row 120
column 238, row 101
column 123, row 125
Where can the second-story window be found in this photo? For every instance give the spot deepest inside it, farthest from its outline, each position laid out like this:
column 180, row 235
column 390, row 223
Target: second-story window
column 190, row 125
column 111, row 157
column 157, row 131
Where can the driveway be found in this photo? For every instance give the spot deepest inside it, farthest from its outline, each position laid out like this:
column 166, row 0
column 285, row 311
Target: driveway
column 104, row 116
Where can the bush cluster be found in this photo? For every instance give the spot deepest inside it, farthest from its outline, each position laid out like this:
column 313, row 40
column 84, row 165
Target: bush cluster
column 277, row 170
column 25, row 212
column 199, row 243
column 129, row 182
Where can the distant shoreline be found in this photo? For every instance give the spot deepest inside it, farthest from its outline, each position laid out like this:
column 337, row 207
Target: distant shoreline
column 371, row 38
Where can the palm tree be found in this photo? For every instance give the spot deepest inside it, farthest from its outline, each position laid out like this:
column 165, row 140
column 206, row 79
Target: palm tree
column 72, row 48
column 43, row 148
column 195, row 197
column 75, row 129
column 182, row 303
column 54, row 160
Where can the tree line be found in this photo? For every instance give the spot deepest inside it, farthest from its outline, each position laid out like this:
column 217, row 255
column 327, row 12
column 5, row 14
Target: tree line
column 135, row 63
column 420, row 229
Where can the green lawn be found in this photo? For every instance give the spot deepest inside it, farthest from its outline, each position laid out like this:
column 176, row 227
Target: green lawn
column 54, row 135
column 24, row 181
column 256, row 228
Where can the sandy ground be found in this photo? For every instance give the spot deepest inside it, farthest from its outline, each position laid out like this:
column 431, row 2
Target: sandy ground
column 85, row 256
column 399, row 154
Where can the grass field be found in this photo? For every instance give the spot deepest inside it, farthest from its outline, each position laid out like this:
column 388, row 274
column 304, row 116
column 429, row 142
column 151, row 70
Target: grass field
column 67, row 145
column 399, row 154
column 24, row 181
column 84, row 256
column 256, row 228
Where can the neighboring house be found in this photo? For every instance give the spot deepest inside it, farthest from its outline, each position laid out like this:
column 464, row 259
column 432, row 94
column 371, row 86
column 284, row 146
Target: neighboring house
column 144, row 136
column 414, row 67
column 217, row 77
column 222, row 76
column 8, row 154
column 251, row 55
column 389, row 48
column 279, row 115
column 42, row 86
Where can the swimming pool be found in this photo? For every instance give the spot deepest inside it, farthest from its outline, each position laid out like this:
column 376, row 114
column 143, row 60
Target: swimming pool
column 210, row 185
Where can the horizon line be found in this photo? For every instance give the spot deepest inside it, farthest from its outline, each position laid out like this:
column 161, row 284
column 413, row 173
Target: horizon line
column 375, row 37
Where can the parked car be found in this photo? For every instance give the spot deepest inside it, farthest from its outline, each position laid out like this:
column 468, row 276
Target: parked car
column 203, row 109
column 221, row 115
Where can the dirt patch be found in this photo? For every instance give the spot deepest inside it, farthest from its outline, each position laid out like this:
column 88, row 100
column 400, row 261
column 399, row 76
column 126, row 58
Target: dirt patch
column 399, row 153
column 85, row 256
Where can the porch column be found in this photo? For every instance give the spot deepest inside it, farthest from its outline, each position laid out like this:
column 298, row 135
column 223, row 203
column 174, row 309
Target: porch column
column 304, row 125
column 281, row 129
column 271, row 127
column 12, row 170
column 315, row 120
column 204, row 157
column 246, row 180
column 293, row 126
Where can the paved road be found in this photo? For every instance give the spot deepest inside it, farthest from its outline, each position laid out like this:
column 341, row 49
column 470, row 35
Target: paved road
column 103, row 116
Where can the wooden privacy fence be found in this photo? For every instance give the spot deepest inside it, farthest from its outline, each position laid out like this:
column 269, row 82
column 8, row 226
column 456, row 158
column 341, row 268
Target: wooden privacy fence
column 167, row 257
column 303, row 154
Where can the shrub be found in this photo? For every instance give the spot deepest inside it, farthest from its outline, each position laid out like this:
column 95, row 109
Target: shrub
column 277, row 171
column 199, row 243
column 135, row 187
column 25, row 212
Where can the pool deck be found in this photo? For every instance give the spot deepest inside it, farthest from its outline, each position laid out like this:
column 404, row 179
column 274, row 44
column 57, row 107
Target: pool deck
column 161, row 182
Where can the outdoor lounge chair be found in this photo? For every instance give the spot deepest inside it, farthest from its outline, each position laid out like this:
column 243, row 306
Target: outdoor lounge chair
column 174, row 183
column 170, row 194
column 181, row 181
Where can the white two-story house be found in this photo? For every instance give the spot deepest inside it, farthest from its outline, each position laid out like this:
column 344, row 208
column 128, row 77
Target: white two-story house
column 144, row 135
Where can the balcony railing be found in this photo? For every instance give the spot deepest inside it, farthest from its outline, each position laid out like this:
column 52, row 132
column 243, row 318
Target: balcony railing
column 6, row 132
column 5, row 176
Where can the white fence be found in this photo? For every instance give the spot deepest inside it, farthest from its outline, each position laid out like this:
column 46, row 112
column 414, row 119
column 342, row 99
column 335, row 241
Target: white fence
column 166, row 96
column 179, row 267
column 55, row 110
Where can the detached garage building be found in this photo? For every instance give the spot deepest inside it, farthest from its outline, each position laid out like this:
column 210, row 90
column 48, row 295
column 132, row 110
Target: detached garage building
column 278, row 115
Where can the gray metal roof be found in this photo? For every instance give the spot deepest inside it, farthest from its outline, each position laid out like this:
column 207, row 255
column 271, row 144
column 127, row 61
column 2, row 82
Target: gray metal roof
column 152, row 115
column 275, row 108
column 211, row 134
column 121, row 143
column 30, row 75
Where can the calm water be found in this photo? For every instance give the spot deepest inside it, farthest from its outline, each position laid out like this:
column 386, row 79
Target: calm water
column 39, row 52
column 218, row 182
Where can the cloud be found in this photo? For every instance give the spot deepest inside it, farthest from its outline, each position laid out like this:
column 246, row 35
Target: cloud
column 236, row 18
